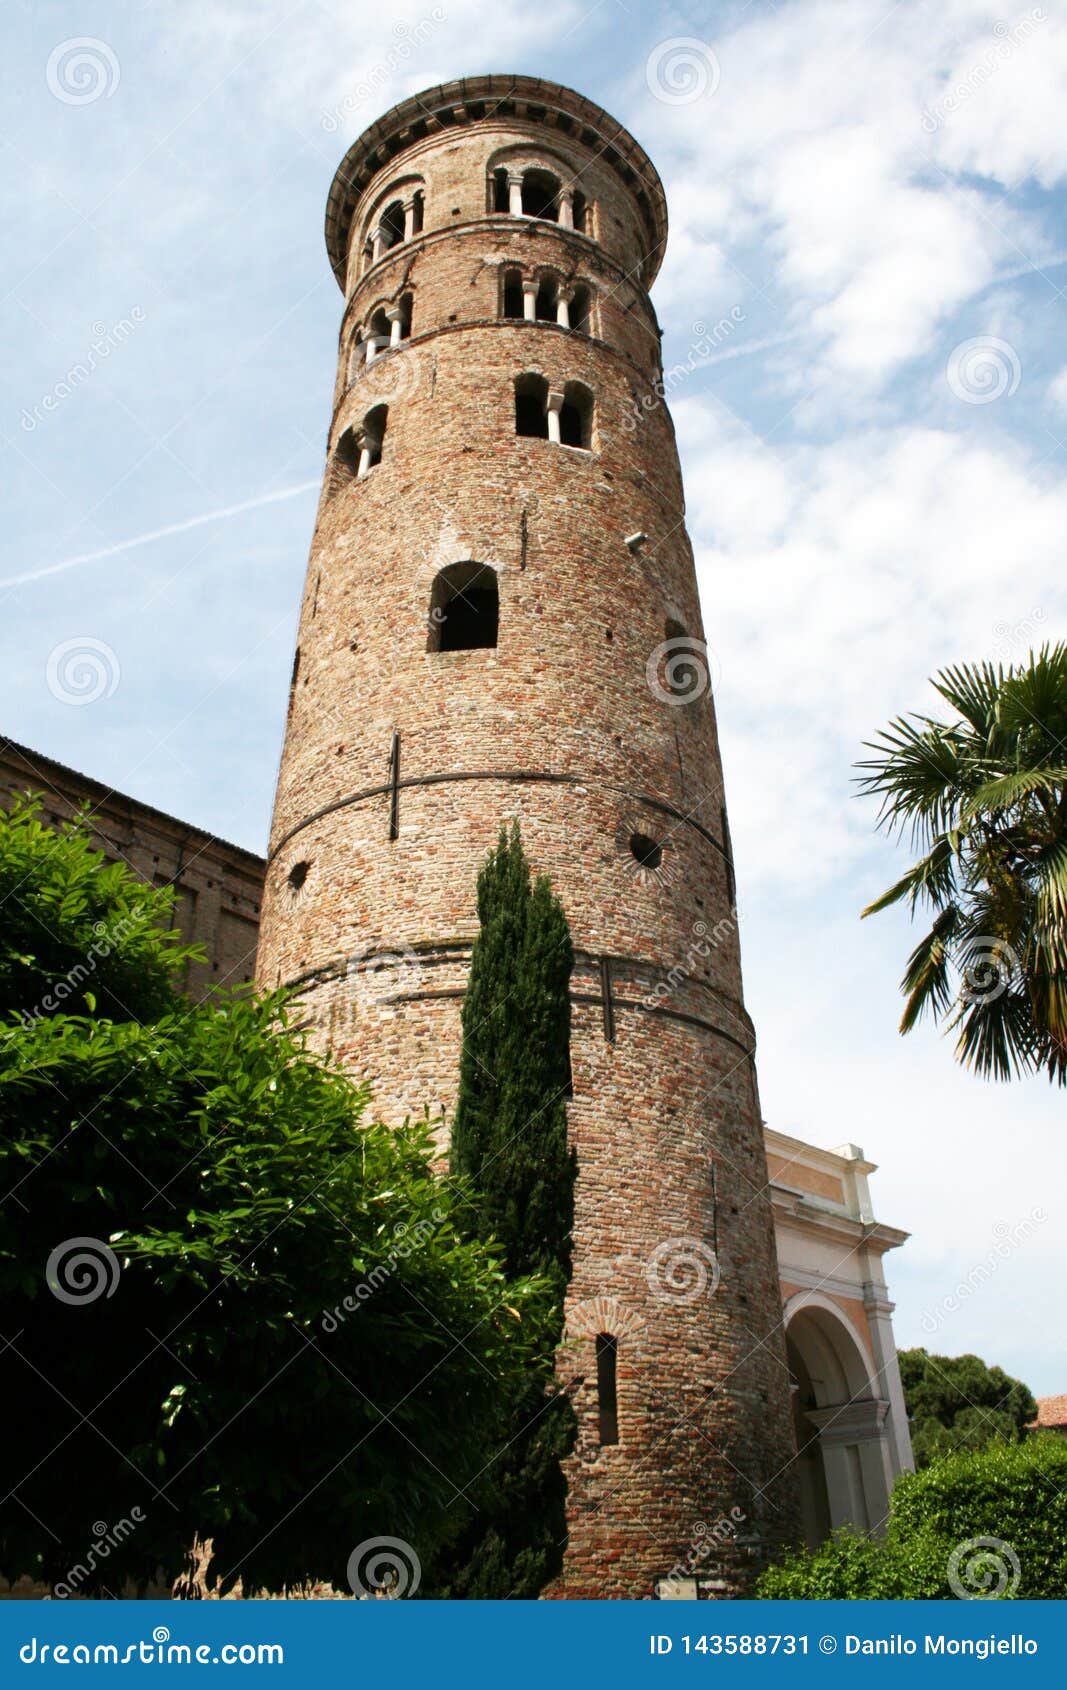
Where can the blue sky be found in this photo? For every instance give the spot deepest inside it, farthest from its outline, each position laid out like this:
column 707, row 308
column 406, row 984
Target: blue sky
column 872, row 196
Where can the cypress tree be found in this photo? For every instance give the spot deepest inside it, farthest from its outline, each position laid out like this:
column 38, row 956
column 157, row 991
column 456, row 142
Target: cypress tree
column 509, row 1139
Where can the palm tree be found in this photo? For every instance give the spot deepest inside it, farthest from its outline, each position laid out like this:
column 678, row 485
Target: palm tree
column 985, row 800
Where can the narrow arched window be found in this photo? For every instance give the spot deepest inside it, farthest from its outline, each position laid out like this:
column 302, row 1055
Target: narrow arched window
column 418, row 212
column 464, row 608
column 374, row 424
column 576, row 416
column 378, row 330
column 499, row 196
column 546, row 300
column 582, row 219
column 391, row 225
column 580, row 310
column 346, row 460
column 295, row 676
column 540, row 195
column 357, row 354
column 512, row 297
column 607, row 1353
column 531, row 406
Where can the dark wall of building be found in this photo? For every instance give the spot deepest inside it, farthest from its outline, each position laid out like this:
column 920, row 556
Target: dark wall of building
column 218, row 885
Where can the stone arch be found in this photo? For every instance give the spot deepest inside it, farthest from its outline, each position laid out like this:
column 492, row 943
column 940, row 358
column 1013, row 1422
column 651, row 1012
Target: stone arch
column 464, row 607
column 400, row 206
column 839, row 1416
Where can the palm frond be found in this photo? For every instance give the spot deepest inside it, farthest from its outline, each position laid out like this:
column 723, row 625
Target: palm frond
column 973, row 689
column 927, row 979
column 933, row 877
column 1006, row 790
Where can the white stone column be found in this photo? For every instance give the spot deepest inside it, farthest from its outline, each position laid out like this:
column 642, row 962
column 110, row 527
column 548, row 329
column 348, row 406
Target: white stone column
column 879, row 1312
column 555, row 406
column 854, row 1446
column 529, row 301
column 375, row 245
column 563, row 307
column 409, row 219
column 514, row 194
column 364, row 462
column 395, row 314
column 566, row 208
column 371, row 343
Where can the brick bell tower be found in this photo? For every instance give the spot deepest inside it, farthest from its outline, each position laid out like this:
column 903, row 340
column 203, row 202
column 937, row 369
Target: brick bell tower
column 501, row 619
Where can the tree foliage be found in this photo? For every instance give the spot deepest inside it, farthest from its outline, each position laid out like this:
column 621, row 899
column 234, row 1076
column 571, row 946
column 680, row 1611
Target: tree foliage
column 282, row 1333
column 984, row 799
column 509, row 1140
column 991, row 1523
column 958, row 1402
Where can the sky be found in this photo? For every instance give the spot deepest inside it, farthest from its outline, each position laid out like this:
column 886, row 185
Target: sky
column 867, row 212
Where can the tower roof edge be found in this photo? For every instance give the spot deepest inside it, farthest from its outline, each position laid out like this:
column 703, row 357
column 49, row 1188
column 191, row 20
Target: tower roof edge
column 472, row 99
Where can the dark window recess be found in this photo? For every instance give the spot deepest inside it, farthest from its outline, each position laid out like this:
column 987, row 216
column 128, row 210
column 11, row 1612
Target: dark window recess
column 513, row 294
column 298, row 874
column 531, row 407
column 545, row 308
column 576, row 416
column 392, row 225
column 464, row 608
column 540, row 195
column 500, row 198
column 646, row 851
column 607, row 1354
column 293, row 677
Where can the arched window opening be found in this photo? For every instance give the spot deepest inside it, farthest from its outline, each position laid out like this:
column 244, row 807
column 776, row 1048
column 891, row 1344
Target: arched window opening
column 545, row 309
column 513, row 293
column 582, row 218
column 373, row 437
column 346, row 459
column 576, row 416
column 540, row 195
column 580, row 309
column 391, row 225
column 499, row 196
column 531, row 407
column 464, row 608
column 607, row 1354
column 356, row 356
column 378, row 330
column 418, row 212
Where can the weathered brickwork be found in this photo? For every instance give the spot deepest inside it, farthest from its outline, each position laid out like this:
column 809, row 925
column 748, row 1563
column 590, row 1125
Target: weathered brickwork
column 401, row 761
column 218, row 885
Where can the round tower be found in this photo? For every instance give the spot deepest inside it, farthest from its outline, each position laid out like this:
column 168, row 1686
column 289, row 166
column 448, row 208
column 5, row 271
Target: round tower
column 501, row 620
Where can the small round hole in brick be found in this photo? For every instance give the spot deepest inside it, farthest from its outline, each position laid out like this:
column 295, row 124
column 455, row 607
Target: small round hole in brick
column 297, row 875
column 648, row 852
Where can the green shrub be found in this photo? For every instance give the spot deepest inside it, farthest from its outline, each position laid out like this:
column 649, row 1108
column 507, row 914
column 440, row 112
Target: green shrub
column 1012, row 1494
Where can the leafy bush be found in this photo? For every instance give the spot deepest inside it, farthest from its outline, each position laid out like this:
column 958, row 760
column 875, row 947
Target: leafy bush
column 282, row 1334
column 1012, row 1494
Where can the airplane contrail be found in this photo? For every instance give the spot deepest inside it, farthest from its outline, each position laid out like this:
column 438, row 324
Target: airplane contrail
column 162, row 533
